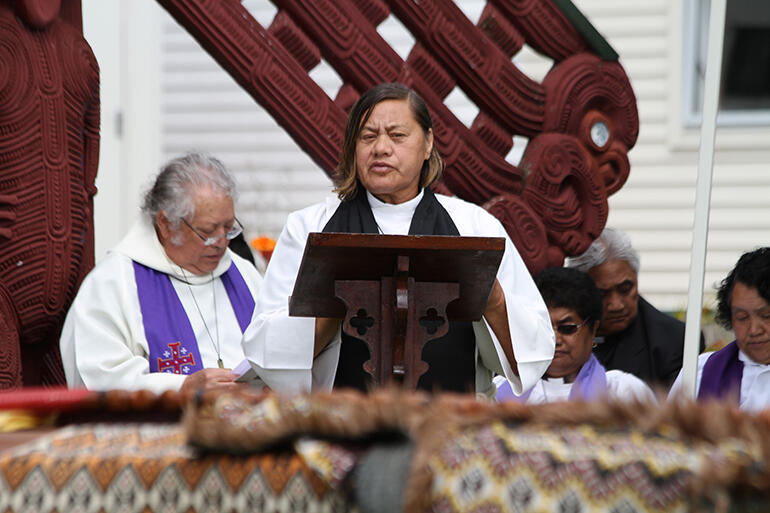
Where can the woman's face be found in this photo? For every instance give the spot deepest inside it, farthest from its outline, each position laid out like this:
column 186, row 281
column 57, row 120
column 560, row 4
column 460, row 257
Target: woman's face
column 214, row 216
column 572, row 349
column 390, row 152
column 751, row 322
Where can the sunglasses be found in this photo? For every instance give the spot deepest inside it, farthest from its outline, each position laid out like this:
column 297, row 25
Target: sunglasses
column 570, row 329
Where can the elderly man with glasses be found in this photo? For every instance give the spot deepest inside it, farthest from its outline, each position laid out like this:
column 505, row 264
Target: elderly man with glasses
column 166, row 308
column 575, row 307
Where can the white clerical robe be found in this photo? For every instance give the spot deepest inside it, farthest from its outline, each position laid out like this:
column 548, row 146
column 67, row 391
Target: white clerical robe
column 621, row 386
column 103, row 343
column 280, row 348
column 755, row 384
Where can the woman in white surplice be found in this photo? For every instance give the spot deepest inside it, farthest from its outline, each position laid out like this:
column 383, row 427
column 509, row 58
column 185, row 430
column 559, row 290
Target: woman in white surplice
column 166, row 308
column 388, row 162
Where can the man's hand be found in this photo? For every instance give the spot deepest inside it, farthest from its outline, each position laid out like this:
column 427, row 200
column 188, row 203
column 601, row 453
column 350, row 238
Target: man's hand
column 210, row 379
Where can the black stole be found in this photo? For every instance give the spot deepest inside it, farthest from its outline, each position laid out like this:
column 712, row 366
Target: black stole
column 452, row 357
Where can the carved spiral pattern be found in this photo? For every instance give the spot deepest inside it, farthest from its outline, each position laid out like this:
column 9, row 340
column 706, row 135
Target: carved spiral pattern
column 563, row 191
column 15, row 65
column 448, row 50
column 524, row 227
column 583, row 89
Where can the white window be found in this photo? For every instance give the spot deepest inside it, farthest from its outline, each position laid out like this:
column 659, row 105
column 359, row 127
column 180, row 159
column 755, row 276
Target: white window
column 745, row 84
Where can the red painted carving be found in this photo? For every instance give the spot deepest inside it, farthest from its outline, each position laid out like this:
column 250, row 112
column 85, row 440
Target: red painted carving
column 480, row 67
column 49, row 144
column 562, row 190
column 581, row 120
column 497, row 27
column 583, row 90
column 544, row 27
column 524, row 226
column 351, row 44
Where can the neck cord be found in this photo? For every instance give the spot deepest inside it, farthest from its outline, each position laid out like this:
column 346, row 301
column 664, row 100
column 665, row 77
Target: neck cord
column 216, row 345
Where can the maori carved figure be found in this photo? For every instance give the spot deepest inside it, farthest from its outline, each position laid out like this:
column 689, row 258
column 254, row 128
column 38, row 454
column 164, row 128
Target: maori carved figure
column 581, row 121
column 49, row 145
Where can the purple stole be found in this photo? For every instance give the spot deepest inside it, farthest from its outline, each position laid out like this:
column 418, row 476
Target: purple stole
column 170, row 337
column 722, row 374
column 590, row 384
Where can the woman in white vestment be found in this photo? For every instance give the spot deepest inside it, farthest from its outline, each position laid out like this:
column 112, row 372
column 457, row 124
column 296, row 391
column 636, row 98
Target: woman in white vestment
column 575, row 306
column 167, row 307
column 740, row 371
column 387, row 164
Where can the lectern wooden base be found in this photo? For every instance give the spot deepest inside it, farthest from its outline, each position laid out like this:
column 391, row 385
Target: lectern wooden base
column 396, row 292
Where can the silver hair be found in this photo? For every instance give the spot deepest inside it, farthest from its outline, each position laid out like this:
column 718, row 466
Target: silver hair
column 172, row 189
column 611, row 245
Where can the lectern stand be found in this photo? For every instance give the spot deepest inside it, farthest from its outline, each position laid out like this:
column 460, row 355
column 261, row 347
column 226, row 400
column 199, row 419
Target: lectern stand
column 395, row 292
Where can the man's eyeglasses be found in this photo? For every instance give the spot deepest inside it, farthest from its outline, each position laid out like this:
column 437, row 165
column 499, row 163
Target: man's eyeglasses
column 570, row 329
column 210, row 241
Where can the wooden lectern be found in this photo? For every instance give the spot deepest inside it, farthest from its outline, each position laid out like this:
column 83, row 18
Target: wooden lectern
column 396, row 292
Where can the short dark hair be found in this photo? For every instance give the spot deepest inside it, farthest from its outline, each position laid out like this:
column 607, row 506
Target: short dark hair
column 563, row 287
column 345, row 180
column 753, row 270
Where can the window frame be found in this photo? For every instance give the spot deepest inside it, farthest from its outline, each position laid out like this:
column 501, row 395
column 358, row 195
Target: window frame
column 695, row 21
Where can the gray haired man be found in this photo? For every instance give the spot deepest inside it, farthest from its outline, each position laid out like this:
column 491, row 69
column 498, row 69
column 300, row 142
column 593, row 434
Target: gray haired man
column 166, row 308
column 633, row 336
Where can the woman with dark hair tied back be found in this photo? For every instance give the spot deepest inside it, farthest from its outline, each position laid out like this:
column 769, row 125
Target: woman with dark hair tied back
column 387, row 165
column 740, row 371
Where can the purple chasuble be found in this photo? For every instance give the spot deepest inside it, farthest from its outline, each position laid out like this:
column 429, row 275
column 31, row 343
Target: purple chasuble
column 590, row 384
column 722, row 374
column 170, row 337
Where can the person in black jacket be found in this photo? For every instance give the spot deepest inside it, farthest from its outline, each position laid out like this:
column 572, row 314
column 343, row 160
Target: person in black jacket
column 633, row 336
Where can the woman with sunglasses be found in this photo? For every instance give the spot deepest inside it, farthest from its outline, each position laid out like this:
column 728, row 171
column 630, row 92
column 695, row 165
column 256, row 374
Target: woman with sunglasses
column 166, row 308
column 575, row 306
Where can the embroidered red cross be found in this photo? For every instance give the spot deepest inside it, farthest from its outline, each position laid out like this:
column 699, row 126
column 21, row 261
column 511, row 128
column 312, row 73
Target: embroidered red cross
column 176, row 361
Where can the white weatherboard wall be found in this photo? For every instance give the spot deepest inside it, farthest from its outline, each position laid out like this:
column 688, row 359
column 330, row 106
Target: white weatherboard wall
column 202, row 108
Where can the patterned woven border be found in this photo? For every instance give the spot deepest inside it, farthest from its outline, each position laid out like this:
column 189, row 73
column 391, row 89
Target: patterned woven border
column 148, row 467
column 473, row 456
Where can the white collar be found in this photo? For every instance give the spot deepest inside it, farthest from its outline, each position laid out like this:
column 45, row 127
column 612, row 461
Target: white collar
column 748, row 362
column 407, row 207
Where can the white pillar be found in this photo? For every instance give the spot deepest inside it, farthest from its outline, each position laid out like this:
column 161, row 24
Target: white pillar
column 141, row 72
column 125, row 37
column 703, row 195
column 101, row 26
